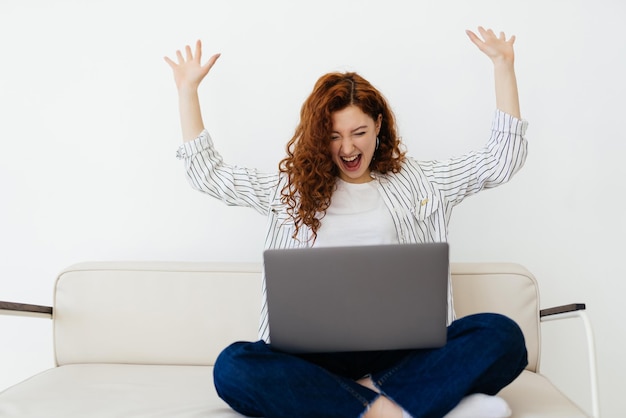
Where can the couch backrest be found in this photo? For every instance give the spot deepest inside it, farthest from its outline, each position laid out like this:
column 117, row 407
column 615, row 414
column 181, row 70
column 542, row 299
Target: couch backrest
column 505, row 288
column 186, row 313
column 154, row 312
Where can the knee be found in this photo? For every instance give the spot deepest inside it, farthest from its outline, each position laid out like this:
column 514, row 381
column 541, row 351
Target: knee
column 232, row 365
column 502, row 328
column 508, row 336
column 233, row 376
column 499, row 332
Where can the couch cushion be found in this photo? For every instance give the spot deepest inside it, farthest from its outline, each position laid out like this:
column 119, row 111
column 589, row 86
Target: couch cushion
column 532, row 395
column 119, row 390
column 154, row 313
column 506, row 288
column 116, row 390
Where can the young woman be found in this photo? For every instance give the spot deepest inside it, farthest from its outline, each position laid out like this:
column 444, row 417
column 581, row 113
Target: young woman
column 346, row 181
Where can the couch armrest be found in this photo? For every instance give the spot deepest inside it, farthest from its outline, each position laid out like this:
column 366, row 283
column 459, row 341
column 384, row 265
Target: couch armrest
column 572, row 307
column 23, row 309
column 578, row 310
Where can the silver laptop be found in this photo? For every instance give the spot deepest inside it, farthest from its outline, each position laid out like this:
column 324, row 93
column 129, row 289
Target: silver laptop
column 333, row 299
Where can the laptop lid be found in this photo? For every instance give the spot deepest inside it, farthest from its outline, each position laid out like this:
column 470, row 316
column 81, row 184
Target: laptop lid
column 360, row 298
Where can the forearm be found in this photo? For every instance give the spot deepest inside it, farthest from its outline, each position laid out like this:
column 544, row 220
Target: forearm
column 500, row 51
column 188, row 74
column 190, row 115
column 507, row 98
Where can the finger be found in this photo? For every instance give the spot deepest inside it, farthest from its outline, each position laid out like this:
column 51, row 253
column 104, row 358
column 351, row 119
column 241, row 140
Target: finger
column 474, row 38
column 502, row 36
column 179, row 56
column 512, row 40
column 170, row 62
column 486, row 34
column 211, row 62
column 188, row 52
column 198, row 50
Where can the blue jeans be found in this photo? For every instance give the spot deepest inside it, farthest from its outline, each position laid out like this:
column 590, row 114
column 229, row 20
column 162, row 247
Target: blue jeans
column 484, row 353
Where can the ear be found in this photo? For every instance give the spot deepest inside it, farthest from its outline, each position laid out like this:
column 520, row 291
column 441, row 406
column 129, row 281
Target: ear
column 379, row 122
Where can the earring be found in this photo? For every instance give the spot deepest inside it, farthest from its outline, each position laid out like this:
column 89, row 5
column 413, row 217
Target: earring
column 376, row 149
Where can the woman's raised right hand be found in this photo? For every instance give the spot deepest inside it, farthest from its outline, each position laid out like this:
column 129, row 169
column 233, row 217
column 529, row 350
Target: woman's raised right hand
column 189, row 71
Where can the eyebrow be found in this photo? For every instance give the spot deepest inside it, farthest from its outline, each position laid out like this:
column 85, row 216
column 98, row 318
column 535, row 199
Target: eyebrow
column 355, row 129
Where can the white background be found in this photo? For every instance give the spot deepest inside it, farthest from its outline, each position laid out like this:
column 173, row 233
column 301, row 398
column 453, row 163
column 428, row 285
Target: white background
column 89, row 128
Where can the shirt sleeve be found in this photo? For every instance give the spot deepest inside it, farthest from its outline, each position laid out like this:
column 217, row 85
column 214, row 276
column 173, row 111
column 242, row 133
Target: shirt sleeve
column 235, row 186
column 494, row 164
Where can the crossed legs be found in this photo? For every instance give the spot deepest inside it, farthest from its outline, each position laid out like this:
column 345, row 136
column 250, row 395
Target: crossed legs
column 484, row 353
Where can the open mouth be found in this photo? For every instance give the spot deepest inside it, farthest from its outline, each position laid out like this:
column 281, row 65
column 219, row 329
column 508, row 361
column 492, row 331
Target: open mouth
column 352, row 162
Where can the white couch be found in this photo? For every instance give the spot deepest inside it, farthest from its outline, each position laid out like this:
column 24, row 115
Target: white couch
column 138, row 339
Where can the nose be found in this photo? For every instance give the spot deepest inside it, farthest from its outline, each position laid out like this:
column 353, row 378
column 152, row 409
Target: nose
column 347, row 145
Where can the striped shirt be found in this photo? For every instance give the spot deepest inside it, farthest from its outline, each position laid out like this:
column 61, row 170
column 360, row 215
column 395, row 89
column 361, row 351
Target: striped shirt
column 420, row 197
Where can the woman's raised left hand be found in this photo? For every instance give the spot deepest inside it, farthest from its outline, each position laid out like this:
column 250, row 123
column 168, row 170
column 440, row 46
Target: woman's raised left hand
column 497, row 48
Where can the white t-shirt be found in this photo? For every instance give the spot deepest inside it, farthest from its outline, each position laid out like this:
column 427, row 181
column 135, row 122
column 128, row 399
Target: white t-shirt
column 357, row 216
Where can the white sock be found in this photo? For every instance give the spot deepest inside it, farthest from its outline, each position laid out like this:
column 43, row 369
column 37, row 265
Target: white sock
column 479, row 405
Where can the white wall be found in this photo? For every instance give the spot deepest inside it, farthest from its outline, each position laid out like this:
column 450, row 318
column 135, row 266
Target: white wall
column 89, row 129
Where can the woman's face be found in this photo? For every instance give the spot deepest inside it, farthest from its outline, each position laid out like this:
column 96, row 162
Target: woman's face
column 353, row 142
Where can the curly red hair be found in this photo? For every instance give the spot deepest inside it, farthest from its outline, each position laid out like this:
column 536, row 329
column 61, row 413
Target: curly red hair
column 309, row 166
